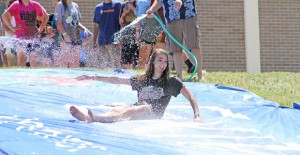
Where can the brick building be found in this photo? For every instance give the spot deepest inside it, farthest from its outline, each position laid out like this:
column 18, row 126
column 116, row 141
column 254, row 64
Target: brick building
column 237, row 35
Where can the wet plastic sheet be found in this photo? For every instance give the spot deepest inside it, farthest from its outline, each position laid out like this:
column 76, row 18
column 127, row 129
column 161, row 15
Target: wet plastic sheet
column 34, row 119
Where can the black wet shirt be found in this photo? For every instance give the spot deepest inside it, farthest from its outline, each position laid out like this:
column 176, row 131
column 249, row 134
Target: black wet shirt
column 157, row 96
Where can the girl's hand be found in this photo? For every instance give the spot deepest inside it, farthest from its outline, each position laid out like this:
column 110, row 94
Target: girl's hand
column 198, row 120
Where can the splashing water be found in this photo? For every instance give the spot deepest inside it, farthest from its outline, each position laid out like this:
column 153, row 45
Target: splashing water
column 117, row 35
column 125, row 35
column 12, row 42
column 137, row 20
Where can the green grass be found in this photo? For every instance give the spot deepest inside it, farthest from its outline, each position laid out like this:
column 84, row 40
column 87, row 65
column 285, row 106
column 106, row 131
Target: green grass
column 280, row 87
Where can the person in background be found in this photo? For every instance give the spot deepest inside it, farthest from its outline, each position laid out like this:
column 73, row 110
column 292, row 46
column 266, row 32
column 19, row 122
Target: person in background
column 181, row 22
column 85, row 42
column 154, row 90
column 105, row 43
column 52, row 17
column 26, row 14
column 68, row 14
column 57, row 37
column 147, row 31
column 43, row 54
column 9, row 52
column 52, row 22
column 129, row 52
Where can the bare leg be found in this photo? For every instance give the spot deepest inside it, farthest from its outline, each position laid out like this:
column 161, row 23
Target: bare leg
column 9, row 58
column 57, row 59
column 4, row 58
column 128, row 113
column 198, row 55
column 74, row 57
column 145, row 50
column 64, row 55
column 21, row 58
column 33, row 57
column 177, row 59
column 185, row 55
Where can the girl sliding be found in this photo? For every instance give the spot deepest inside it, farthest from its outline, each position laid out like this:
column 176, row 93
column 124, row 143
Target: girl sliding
column 155, row 88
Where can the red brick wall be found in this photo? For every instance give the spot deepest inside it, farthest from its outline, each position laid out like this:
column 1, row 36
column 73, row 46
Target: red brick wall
column 222, row 32
column 280, row 35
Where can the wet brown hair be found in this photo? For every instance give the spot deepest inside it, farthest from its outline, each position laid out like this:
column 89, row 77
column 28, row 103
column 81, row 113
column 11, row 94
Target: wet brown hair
column 150, row 69
column 65, row 4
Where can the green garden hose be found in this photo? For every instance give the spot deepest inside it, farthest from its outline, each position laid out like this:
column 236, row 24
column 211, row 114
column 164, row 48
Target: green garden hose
column 178, row 43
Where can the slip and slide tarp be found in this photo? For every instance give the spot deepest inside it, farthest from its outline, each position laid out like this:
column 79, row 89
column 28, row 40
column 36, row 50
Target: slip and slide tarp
column 34, row 119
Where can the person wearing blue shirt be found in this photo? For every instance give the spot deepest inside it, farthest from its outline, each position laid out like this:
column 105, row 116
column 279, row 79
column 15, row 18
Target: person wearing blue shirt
column 142, row 6
column 86, row 40
column 106, row 24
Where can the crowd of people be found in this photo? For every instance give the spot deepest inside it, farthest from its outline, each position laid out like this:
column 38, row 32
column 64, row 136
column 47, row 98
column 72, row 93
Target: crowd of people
column 40, row 39
column 61, row 40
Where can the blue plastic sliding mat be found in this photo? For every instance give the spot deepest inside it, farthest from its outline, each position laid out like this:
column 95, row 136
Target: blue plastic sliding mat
column 35, row 119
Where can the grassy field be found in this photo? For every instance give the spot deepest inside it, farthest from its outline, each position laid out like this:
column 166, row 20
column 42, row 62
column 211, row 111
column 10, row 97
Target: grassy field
column 280, row 87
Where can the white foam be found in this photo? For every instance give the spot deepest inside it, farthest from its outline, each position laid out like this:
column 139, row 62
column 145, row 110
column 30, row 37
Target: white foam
column 226, row 112
column 20, row 128
column 8, row 117
column 60, row 144
column 103, row 148
column 73, row 150
column 3, row 122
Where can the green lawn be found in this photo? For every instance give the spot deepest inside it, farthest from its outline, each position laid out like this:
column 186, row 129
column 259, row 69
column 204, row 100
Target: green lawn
column 280, row 87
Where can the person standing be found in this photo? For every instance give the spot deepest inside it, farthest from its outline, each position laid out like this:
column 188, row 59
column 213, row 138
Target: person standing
column 181, row 22
column 130, row 50
column 106, row 24
column 26, row 14
column 67, row 22
column 83, row 50
column 9, row 52
column 147, row 30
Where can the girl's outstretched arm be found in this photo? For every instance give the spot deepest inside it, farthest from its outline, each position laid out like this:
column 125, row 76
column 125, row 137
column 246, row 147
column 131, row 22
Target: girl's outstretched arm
column 113, row 80
column 188, row 95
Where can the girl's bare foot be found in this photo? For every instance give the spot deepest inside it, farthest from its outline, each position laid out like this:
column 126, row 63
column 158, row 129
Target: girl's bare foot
column 80, row 115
